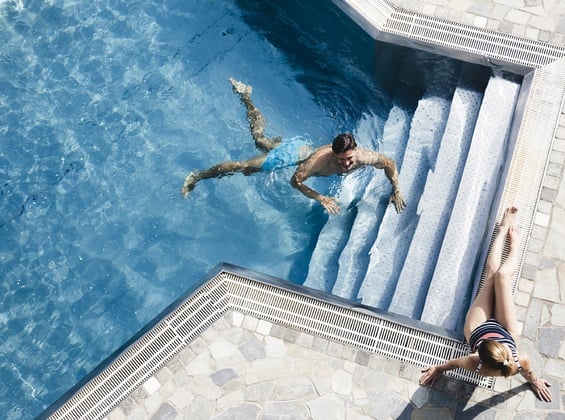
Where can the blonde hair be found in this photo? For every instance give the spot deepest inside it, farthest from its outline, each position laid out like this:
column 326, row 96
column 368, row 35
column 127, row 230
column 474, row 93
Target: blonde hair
column 494, row 355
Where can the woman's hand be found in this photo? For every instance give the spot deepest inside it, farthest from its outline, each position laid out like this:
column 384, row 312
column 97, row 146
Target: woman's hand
column 430, row 375
column 541, row 389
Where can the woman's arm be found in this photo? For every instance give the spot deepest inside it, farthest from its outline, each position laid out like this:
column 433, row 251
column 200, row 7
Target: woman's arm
column 539, row 386
column 432, row 373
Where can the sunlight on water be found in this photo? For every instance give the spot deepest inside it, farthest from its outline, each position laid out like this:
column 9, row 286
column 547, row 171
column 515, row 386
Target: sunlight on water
column 104, row 108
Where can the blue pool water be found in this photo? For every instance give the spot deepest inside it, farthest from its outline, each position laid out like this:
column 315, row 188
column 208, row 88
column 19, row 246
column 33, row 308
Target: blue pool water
column 105, row 106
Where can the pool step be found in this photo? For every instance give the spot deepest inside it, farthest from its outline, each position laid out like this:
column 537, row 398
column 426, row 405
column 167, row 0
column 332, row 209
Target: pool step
column 450, row 290
column 402, row 263
column 323, row 266
column 400, row 285
column 355, row 256
column 387, row 252
column 436, row 202
column 362, row 187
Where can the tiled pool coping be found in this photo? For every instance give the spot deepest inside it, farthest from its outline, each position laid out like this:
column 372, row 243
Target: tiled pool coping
column 535, row 135
column 384, row 21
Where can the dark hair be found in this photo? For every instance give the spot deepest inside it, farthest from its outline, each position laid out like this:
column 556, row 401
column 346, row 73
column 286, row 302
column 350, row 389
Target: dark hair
column 494, row 355
column 343, row 142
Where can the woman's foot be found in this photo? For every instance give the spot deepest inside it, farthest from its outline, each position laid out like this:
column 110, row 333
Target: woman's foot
column 241, row 88
column 508, row 217
column 513, row 237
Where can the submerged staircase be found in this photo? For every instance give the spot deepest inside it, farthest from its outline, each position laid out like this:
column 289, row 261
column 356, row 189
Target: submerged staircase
column 450, row 146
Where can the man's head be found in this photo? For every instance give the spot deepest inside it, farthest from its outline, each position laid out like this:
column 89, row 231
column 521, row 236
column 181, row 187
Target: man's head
column 343, row 142
column 344, row 148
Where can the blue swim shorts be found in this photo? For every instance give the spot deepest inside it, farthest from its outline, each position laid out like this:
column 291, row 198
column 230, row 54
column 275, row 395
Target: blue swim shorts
column 288, row 153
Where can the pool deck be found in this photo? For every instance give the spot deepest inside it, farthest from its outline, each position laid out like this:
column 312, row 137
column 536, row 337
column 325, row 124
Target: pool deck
column 247, row 368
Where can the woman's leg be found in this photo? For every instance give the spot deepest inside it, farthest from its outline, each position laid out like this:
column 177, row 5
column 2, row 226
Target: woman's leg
column 256, row 120
column 247, row 167
column 504, row 309
column 483, row 306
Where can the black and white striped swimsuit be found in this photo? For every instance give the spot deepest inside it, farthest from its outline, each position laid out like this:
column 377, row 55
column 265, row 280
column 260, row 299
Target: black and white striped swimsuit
column 491, row 329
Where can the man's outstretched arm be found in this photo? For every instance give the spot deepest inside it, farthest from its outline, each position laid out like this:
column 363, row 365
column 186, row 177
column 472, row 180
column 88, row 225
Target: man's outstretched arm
column 329, row 203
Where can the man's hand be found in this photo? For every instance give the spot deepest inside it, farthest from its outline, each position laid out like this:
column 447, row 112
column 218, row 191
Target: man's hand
column 330, row 204
column 398, row 201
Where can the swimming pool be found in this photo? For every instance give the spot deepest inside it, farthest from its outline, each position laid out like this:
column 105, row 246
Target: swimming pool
column 105, row 106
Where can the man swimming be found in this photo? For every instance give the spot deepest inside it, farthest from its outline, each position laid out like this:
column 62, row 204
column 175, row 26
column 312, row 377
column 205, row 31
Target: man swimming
column 340, row 157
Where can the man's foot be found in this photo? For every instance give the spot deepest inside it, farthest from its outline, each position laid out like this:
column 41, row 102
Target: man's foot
column 241, row 88
column 508, row 218
column 189, row 184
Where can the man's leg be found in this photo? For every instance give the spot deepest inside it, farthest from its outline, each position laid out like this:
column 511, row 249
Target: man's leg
column 247, row 167
column 256, row 120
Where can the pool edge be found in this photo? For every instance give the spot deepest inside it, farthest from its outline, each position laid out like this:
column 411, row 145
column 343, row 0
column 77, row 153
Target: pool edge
column 231, row 288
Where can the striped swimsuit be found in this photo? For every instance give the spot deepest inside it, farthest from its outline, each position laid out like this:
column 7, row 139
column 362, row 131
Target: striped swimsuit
column 492, row 330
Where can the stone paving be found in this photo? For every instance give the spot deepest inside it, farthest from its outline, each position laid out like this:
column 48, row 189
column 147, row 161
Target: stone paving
column 245, row 368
